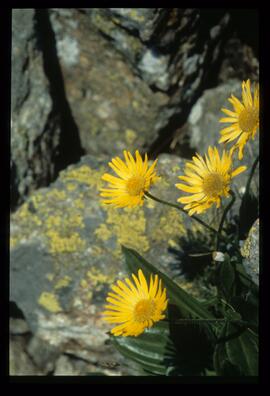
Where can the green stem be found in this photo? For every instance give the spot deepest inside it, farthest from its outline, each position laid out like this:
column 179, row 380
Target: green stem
column 192, row 321
column 251, row 175
column 182, row 210
column 223, row 219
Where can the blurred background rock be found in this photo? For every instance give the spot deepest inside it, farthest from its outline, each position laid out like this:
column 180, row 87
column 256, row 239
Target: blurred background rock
column 86, row 84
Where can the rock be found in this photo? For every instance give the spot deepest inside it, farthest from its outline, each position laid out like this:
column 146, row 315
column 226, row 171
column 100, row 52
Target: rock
column 19, row 362
column 202, row 130
column 34, row 128
column 42, row 354
column 66, row 251
column 239, row 62
column 164, row 47
column 44, row 138
column 18, row 326
column 112, row 106
column 250, row 252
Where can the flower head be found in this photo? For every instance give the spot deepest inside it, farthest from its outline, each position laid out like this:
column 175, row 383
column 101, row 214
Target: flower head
column 207, row 180
column 244, row 118
column 135, row 305
column 134, row 179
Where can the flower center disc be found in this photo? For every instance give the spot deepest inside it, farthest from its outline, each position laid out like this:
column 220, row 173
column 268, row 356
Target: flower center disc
column 135, row 185
column 248, row 119
column 213, row 184
column 144, row 310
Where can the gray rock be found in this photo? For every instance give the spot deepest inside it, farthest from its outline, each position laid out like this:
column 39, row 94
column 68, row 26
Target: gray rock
column 203, row 124
column 111, row 105
column 164, row 47
column 18, row 326
column 34, row 128
column 66, row 251
column 19, row 362
column 42, row 354
column 202, row 130
column 251, row 252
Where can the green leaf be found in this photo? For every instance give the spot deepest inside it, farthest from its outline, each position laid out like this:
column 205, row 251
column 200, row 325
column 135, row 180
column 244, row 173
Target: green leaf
column 153, row 350
column 238, row 354
column 243, row 351
column 187, row 304
column 168, row 349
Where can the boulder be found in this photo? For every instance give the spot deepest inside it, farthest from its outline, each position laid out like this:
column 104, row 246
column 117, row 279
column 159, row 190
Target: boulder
column 251, row 252
column 39, row 114
column 66, row 251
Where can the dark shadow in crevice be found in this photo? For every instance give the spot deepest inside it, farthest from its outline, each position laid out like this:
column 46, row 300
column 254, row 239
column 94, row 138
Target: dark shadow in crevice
column 70, row 149
column 14, row 311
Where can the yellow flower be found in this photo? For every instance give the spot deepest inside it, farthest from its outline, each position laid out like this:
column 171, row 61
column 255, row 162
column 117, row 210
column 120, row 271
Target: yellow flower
column 244, row 118
column 208, row 180
column 135, row 178
column 135, row 305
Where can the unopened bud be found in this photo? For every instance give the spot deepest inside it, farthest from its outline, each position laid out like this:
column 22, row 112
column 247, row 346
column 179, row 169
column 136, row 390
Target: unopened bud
column 218, row 256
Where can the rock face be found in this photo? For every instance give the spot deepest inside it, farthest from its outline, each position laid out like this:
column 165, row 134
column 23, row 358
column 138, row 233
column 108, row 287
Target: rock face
column 35, row 130
column 66, row 251
column 39, row 114
column 113, row 107
column 202, row 129
column 251, row 253
column 103, row 79
column 169, row 50
column 98, row 81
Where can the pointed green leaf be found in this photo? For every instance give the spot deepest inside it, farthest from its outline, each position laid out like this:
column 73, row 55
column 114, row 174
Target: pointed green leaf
column 243, row 351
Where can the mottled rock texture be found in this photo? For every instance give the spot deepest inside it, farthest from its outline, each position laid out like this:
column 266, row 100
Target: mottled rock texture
column 34, row 127
column 251, row 252
column 66, row 251
column 44, row 138
column 98, row 81
column 103, row 79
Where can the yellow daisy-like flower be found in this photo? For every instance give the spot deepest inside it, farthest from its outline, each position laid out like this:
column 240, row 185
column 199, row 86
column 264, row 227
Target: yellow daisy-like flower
column 244, row 118
column 208, row 180
column 135, row 178
column 135, row 305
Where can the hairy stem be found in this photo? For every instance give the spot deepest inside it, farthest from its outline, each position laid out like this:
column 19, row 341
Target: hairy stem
column 220, row 228
column 182, row 210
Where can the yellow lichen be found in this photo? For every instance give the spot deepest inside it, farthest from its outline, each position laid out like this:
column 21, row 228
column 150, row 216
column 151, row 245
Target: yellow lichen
column 53, row 221
column 23, row 212
column 36, row 220
column 130, row 136
column 170, row 227
column 60, row 244
column 128, row 226
column 96, row 277
column 63, row 282
column 78, row 203
column 70, row 186
column 36, row 199
column 85, row 175
column 50, row 302
column 84, row 284
column 74, row 220
column 58, row 195
column 136, row 16
column 176, row 169
column 50, row 277
column 13, row 242
column 103, row 232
